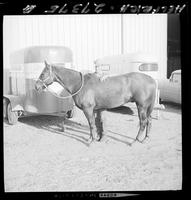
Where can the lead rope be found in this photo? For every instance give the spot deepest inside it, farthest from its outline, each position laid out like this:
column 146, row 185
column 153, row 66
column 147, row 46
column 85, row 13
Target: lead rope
column 71, row 95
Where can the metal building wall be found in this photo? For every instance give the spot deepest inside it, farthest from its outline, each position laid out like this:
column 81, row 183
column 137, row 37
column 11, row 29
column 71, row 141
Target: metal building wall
column 89, row 36
column 147, row 33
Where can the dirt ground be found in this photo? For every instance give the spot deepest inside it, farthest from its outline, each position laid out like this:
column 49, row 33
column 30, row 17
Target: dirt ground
column 38, row 156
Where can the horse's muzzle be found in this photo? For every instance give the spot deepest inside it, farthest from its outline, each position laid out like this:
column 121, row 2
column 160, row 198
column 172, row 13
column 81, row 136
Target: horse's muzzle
column 37, row 88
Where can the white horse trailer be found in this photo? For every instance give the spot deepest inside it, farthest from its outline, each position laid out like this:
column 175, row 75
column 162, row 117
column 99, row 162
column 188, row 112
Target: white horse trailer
column 20, row 97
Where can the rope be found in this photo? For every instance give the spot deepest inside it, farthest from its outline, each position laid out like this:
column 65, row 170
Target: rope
column 71, row 95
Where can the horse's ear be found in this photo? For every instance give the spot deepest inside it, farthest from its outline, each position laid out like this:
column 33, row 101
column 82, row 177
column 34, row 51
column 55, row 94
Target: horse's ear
column 46, row 64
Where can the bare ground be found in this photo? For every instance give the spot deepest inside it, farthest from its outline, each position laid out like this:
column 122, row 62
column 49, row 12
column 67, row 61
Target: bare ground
column 38, row 156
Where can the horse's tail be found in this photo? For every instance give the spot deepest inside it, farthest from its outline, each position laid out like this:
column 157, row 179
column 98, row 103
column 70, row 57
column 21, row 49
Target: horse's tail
column 153, row 97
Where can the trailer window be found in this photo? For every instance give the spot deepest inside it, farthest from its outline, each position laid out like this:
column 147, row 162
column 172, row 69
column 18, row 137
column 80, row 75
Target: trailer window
column 148, row 67
column 103, row 68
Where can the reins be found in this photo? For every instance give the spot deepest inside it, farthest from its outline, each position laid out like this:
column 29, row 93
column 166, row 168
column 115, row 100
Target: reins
column 71, row 95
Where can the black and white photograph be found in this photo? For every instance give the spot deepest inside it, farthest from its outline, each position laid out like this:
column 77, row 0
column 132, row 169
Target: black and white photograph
column 92, row 102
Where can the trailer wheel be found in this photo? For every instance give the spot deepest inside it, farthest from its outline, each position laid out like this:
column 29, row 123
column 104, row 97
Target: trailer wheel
column 12, row 116
column 5, row 103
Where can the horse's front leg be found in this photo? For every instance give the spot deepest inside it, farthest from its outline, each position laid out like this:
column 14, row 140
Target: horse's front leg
column 91, row 120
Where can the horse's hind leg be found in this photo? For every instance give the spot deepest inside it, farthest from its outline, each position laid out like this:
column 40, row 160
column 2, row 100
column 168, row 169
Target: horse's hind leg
column 149, row 120
column 143, row 122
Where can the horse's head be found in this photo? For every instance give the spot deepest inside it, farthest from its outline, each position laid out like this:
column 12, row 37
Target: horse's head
column 45, row 79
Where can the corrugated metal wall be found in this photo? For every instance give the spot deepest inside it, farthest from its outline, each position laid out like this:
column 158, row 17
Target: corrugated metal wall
column 147, row 33
column 89, row 36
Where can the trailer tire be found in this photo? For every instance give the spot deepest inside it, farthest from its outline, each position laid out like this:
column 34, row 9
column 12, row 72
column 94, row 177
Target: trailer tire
column 5, row 103
column 12, row 116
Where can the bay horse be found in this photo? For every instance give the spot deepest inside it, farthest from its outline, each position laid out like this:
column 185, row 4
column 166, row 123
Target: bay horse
column 92, row 95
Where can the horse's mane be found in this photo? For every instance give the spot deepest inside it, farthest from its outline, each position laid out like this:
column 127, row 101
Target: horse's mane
column 102, row 77
column 92, row 76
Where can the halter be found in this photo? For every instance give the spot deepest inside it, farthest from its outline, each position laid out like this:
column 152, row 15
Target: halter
column 49, row 90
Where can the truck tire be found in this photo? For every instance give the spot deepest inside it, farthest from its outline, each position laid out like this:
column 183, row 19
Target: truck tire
column 12, row 116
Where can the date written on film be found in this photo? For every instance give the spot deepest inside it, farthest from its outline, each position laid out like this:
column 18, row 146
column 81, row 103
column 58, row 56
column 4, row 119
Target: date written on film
column 104, row 8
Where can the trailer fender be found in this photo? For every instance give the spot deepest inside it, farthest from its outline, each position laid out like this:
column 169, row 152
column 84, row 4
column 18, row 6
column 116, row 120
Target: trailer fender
column 16, row 102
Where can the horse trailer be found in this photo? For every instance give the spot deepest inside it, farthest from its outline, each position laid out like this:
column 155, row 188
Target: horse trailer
column 125, row 63
column 20, row 97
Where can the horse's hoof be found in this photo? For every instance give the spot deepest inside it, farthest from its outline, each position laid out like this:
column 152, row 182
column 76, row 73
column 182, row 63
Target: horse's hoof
column 145, row 140
column 140, row 141
column 97, row 138
column 90, row 140
column 130, row 144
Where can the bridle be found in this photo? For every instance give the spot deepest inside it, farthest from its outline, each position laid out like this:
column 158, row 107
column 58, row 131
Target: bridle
column 52, row 79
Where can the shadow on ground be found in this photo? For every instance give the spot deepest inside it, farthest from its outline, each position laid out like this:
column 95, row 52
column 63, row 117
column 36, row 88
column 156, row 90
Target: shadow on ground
column 54, row 125
column 72, row 129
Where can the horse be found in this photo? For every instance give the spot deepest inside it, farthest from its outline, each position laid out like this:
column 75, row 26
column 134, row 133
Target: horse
column 93, row 96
